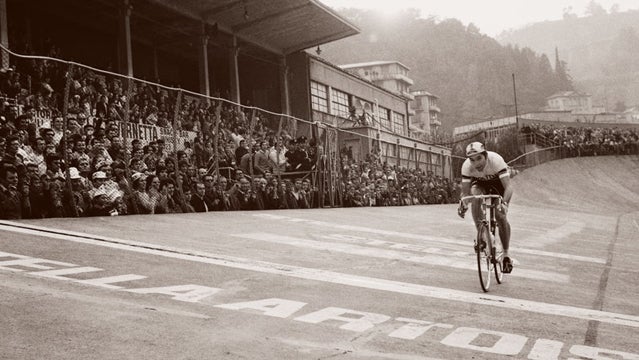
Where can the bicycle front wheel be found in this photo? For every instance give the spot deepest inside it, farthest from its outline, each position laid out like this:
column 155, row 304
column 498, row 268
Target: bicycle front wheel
column 483, row 257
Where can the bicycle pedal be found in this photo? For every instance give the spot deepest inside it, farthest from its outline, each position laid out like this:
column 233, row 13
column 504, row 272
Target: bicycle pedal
column 479, row 248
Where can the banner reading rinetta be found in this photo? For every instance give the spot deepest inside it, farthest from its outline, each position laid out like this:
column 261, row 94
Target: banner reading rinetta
column 142, row 132
column 147, row 133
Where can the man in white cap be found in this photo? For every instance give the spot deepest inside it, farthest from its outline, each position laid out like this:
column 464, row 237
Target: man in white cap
column 486, row 172
column 99, row 178
column 80, row 195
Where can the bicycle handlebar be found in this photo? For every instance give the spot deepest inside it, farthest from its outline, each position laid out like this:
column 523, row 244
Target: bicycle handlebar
column 482, row 197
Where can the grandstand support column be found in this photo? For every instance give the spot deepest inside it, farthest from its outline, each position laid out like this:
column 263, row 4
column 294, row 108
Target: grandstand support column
column 286, row 101
column 65, row 138
column 4, row 33
column 398, row 153
column 125, row 56
column 234, row 69
column 203, row 62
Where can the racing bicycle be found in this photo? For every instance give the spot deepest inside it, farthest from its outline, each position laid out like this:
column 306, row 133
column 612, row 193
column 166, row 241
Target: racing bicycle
column 489, row 251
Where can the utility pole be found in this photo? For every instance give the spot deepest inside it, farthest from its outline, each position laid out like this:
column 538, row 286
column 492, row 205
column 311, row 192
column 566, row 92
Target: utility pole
column 515, row 93
column 516, row 115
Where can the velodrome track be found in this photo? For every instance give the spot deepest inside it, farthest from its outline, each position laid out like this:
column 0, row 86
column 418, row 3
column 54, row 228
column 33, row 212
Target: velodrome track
column 366, row 283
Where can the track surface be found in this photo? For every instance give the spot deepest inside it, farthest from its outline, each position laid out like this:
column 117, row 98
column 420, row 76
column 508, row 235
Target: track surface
column 367, row 283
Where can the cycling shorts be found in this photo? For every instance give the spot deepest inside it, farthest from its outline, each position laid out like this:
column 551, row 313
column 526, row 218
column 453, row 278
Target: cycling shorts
column 489, row 187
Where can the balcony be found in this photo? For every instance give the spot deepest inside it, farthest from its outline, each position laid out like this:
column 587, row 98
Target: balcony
column 408, row 95
column 435, row 122
column 400, row 77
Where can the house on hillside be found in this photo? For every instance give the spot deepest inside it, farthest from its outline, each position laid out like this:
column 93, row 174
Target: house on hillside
column 631, row 115
column 572, row 101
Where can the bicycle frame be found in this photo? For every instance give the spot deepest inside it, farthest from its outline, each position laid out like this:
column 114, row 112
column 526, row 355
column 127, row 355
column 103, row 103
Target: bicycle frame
column 488, row 259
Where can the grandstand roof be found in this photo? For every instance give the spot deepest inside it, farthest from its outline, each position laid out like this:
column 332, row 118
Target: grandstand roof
column 281, row 26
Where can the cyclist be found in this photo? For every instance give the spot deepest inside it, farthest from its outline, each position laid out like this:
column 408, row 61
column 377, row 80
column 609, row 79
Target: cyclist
column 486, row 172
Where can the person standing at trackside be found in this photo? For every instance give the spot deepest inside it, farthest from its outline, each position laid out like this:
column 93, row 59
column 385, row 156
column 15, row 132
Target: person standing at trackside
column 486, row 172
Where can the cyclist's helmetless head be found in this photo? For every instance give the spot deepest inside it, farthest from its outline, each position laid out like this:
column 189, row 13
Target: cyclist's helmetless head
column 476, row 152
column 478, row 161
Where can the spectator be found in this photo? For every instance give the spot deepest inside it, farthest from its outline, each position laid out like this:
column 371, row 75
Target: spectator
column 159, row 199
column 244, row 196
column 37, row 198
column 277, row 156
column 142, row 202
column 167, row 189
column 261, row 165
column 76, row 202
column 220, row 199
column 198, row 200
column 240, row 151
column 248, row 160
column 12, row 201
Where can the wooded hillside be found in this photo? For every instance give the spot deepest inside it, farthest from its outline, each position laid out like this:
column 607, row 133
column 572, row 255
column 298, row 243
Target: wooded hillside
column 469, row 71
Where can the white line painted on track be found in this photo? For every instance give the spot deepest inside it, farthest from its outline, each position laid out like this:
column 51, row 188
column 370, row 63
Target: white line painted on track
column 428, row 238
column 436, row 260
column 329, row 276
column 557, row 234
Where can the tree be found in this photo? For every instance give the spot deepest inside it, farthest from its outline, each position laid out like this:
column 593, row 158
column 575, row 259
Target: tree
column 614, row 8
column 620, row 106
column 562, row 79
column 622, row 57
column 568, row 13
column 595, row 9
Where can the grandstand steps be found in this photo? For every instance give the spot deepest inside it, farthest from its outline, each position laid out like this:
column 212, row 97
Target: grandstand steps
column 603, row 185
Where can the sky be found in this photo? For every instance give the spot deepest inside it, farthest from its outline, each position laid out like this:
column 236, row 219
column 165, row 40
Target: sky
column 491, row 16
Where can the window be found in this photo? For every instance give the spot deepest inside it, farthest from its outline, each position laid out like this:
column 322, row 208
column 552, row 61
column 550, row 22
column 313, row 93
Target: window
column 383, row 119
column 369, row 110
column 405, row 153
column 398, row 123
column 340, row 102
column 319, row 97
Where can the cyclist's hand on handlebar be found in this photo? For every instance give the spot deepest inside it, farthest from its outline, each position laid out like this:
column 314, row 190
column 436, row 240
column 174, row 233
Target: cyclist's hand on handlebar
column 504, row 207
column 461, row 210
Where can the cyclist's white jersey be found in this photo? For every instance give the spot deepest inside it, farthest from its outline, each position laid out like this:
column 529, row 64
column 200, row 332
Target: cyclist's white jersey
column 496, row 168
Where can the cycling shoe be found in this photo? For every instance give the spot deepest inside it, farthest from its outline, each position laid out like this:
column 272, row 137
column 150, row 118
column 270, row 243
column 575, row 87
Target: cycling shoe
column 507, row 265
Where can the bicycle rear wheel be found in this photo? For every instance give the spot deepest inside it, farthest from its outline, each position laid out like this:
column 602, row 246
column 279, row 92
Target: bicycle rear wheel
column 498, row 256
column 483, row 257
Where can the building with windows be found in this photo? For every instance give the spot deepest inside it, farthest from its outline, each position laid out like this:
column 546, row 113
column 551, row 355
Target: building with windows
column 391, row 75
column 374, row 118
column 425, row 117
column 570, row 101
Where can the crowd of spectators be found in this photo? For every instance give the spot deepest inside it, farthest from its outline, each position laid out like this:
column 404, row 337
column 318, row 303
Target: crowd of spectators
column 589, row 140
column 86, row 167
column 373, row 183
